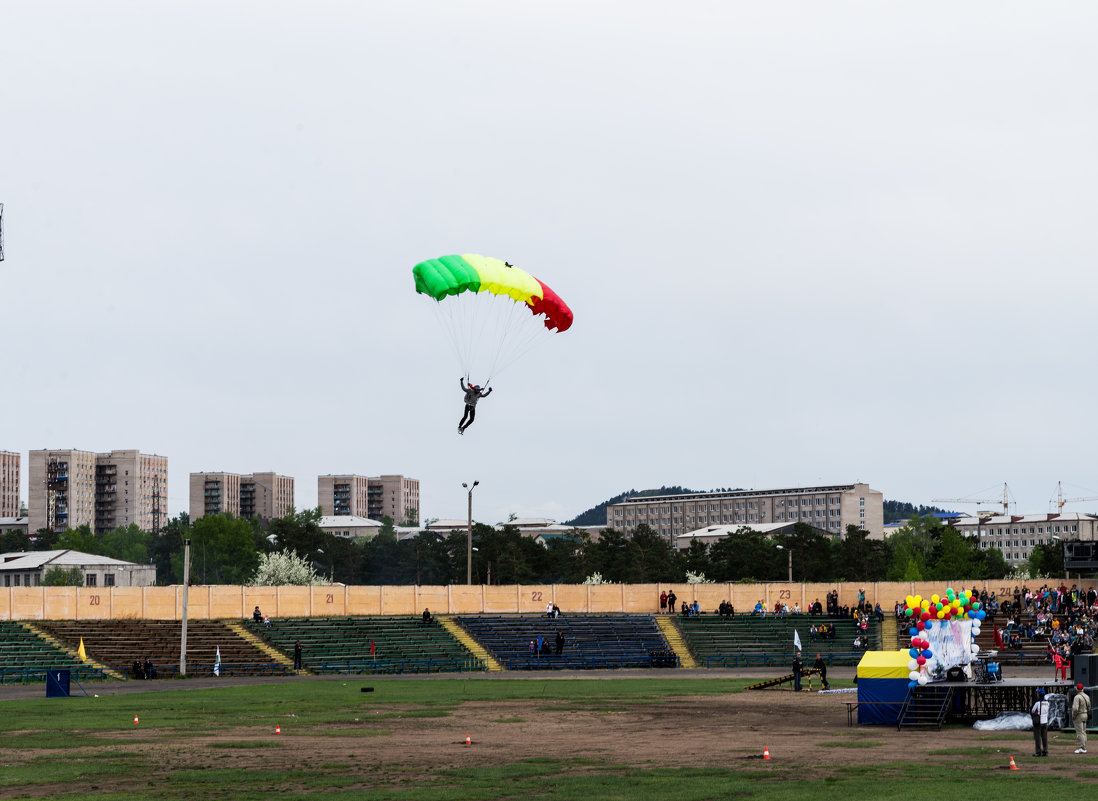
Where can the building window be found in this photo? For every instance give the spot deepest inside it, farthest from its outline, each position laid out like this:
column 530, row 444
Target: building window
column 16, row 579
column 89, row 580
column 108, row 580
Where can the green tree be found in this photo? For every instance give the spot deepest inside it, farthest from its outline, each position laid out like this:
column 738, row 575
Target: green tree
column 746, row 554
column 1046, row 560
column 128, row 543
column 166, row 549
column 956, row 557
column 995, row 564
column 80, row 539
column 14, row 541
column 63, row 577
column 222, row 550
column 653, row 558
column 911, row 550
column 858, row 558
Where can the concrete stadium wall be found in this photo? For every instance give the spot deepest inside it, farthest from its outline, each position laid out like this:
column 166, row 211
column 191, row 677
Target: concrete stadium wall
column 220, row 601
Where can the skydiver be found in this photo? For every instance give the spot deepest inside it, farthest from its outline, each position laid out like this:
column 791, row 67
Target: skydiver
column 473, row 393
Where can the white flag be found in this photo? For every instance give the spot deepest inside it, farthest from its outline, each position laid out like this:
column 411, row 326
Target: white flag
column 796, row 639
column 217, row 662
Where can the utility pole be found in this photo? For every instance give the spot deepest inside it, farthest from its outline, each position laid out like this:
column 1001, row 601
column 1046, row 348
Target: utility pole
column 469, row 543
column 186, row 585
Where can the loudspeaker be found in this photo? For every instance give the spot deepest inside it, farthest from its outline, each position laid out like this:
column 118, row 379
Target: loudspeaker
column 1084, row 669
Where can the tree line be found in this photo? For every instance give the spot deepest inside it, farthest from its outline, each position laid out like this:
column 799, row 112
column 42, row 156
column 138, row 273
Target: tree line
column 226, row 550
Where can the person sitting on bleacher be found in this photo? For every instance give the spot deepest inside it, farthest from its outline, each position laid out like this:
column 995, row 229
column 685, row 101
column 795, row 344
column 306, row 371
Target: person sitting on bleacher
column 759, row 610
column 257, row 616
column 427, row 619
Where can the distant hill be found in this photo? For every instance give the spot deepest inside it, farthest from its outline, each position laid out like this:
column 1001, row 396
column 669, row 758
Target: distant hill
column 596, row 515
column 898, row 510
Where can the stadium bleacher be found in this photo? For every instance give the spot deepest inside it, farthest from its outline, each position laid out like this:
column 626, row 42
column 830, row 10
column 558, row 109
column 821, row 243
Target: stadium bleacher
column 383, row 644
column 117, row 643
column 25, row 657
column 591, row 641
column 747, row 640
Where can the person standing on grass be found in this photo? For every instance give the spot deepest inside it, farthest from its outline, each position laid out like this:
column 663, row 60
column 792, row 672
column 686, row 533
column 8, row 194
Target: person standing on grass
column 1080, row 714
column 821, row 666
column 1039, row 712
column 798, row 668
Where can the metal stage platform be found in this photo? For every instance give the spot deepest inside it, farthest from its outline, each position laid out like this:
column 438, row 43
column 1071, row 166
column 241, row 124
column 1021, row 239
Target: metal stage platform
column 973, row 701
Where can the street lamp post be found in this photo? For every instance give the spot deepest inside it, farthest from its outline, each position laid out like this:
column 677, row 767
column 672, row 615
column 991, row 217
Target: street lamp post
column 790, row 552
column 469, row 544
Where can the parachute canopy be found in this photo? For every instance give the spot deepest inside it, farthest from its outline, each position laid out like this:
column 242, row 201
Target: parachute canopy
column 453, row 275
column 493, row 311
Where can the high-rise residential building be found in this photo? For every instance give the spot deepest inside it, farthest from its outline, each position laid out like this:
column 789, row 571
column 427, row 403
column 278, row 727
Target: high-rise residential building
column 130, row 487
column 264, row 495
column 71, row 488
column 60, row 489
column 831, row 508
column 394, row 496
column 342, row 496
column 9, row 484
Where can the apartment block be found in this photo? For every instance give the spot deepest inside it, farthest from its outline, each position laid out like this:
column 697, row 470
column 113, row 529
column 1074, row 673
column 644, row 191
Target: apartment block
column 343, row 496
column 61, row 489
column 214, row 494
column 130, row 487
column 830, row 508
column 71, row 488
column 1016, row 535
column 264, row 495
column 395, row 496
column 9, row 484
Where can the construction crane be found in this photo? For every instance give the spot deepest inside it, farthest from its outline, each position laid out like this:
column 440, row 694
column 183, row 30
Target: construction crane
column 1061, row 500
column 1006, row 500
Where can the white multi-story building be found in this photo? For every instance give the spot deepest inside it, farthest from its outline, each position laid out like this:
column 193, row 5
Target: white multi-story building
column 1016, row 535
column 831, row 508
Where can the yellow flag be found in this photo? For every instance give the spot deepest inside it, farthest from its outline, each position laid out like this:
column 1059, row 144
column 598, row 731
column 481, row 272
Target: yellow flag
column 81, row 652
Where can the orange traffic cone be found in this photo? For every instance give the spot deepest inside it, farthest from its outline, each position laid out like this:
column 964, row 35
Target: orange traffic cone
column 766, row 752
column 1012, row 765
column 135, row 720
column 468, row 740
column 278, row 729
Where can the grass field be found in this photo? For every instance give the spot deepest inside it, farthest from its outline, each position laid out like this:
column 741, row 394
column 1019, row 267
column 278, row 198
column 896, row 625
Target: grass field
column 545, row 739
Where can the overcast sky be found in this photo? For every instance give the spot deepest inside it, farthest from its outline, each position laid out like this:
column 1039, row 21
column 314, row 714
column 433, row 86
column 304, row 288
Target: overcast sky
column 803, row 242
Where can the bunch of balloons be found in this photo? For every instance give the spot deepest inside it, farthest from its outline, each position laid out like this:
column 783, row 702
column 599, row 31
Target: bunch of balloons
column 923, row 613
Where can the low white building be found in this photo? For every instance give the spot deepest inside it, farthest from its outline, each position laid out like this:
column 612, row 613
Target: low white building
column 28, row 568
column 351, row 527
column 14, row 524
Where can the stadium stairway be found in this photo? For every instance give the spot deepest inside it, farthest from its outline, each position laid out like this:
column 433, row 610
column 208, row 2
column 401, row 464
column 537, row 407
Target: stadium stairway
column 74, row 653
column 890, row 632
column 675, row 642
column 471, row 645
column 258, row 644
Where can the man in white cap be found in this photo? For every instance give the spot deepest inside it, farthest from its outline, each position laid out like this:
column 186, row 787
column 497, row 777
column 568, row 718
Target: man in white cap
column 1080, row 714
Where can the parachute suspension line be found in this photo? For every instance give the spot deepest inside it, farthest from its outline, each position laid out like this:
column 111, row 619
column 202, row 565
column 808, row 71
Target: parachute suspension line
column 447, row 320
